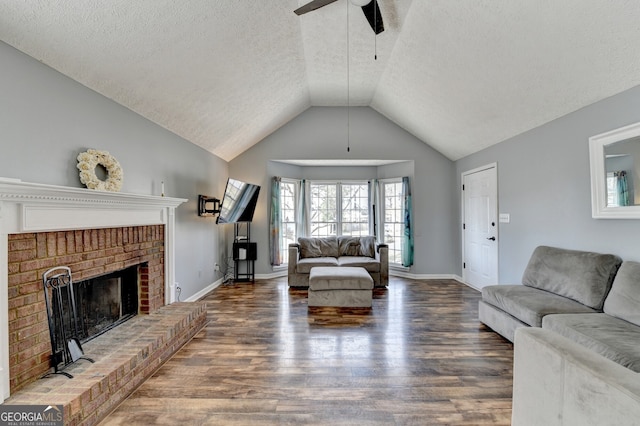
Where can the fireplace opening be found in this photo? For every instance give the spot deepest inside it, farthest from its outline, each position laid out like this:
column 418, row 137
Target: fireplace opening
column 106, row 301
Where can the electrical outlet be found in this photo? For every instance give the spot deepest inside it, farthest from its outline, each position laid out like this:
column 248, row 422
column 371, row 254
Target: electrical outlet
column 178, row 287
column 216, row 267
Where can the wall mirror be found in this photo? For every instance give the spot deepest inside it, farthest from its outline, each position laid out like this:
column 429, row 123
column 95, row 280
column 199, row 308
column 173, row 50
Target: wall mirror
column 615, row 173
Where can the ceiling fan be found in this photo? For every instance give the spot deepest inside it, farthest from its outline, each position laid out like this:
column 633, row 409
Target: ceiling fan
column 369, row 7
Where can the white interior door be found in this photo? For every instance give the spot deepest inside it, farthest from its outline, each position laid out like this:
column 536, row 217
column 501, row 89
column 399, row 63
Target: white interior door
column 480, row 226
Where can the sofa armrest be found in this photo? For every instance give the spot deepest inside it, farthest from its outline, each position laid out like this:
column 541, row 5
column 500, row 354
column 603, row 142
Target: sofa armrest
column 559, row 382
column 294, row 255
column 382, row 256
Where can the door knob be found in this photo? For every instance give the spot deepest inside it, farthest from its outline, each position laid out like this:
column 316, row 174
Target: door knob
column 491, row 238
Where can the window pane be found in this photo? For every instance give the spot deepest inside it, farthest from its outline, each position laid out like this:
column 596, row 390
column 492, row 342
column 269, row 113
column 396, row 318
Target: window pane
column 339, row 209
column 323, row 210
column 287, row 218
column 393, row 220
column 355, row 209
column 612, row 190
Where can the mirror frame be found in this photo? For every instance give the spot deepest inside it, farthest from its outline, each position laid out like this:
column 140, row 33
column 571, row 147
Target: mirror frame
column 597, row 144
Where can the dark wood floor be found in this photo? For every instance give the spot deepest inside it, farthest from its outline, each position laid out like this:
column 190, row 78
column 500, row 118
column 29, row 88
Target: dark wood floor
column 419, row 356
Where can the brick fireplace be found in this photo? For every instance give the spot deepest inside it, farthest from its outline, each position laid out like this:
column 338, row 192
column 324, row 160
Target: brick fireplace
column 92, row 232
column 89, row 253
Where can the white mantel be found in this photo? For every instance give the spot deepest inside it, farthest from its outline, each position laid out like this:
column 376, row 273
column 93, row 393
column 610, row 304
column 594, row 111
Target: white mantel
column 31, row 207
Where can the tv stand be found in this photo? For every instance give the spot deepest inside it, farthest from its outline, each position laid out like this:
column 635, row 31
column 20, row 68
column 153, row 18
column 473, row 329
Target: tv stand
column 245, row 253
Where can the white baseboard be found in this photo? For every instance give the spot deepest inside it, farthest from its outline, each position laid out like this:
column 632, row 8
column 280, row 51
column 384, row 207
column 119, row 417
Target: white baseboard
column 469, row 285
column 274, row 274
column 199, row 295
column 411, row 276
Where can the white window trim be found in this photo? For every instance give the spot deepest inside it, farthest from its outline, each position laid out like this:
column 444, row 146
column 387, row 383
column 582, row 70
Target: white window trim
column 339, row 184
column 296, row 197
column 392, row 265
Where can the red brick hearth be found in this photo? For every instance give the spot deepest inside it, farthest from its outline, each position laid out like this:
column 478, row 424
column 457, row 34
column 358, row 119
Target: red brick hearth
column 124, row 357
column 89, row 253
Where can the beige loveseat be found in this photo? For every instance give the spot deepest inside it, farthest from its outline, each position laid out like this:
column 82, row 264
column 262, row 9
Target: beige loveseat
column 336, row 252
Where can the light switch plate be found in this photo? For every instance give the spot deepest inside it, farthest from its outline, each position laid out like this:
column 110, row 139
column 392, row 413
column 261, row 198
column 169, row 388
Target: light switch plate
column 505, row 218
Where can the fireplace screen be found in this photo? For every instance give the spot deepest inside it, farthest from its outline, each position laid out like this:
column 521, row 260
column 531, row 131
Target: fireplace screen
column 77, row 312
column 106, row 301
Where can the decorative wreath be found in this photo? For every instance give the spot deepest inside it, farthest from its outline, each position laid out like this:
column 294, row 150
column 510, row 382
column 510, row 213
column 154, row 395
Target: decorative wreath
column 87, row 163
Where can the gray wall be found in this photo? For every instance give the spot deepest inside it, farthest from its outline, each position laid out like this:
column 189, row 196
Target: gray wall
column 544, row 183
column 320, row 133
column 47, row 119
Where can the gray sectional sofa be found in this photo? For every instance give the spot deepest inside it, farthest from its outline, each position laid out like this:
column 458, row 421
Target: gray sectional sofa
column 556, row 281
column 576, row 361
column 336, row 252
column 582, row 369
column 558, row 382
column 613, row 333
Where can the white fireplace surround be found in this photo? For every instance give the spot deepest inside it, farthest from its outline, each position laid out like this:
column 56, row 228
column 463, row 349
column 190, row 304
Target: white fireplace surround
column 31, row 207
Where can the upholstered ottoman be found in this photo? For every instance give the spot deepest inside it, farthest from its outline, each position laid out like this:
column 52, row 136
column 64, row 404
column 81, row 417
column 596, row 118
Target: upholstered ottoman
column 340, row 286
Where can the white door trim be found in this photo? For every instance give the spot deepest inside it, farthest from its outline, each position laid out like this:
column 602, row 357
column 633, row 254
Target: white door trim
column 462, row 216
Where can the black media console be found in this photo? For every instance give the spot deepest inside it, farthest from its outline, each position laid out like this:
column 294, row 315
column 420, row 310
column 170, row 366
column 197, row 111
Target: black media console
column 245, row 253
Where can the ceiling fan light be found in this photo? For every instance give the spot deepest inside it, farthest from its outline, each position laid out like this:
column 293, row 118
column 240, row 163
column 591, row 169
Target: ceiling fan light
column 360, row 2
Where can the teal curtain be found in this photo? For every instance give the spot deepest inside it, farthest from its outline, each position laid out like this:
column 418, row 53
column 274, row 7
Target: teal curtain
column 407, row 241
column 275, row 233
column 623, row 189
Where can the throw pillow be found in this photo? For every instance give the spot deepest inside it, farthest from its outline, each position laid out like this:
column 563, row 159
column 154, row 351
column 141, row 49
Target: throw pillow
column 357, row 246
column 368, row 246
column 318, row 247
column 623, row 300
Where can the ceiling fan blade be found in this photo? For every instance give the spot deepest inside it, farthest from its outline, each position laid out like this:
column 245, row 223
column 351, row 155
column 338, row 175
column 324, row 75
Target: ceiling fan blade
column 372, row 12
column 313, row 5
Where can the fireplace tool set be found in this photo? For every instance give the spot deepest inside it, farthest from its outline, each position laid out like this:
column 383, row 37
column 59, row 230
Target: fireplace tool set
column 63, row 319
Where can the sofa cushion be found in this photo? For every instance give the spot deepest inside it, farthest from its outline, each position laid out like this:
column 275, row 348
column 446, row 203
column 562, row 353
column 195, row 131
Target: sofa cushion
column 318, row 247
column 357, row 246
column 371, row 265
column 585, row 277
column 305, row 265
column 321, row 279
column 623, row 300
column 528, row 304
column 611, row 337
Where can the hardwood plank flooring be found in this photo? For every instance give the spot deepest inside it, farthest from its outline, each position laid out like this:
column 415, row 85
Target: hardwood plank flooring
column 418, row 357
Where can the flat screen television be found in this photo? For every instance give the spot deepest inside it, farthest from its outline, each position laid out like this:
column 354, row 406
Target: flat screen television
column 239, row 202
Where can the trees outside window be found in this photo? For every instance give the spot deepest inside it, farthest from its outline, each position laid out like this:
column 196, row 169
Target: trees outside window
column 393, row 219
column 288, row 202
column 354, row 209
column 339, row 209
column 324, row 204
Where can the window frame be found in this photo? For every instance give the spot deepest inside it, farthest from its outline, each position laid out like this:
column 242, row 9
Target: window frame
column 339, row 219
column 381, row 210
column 284, row 247
column 393, row 260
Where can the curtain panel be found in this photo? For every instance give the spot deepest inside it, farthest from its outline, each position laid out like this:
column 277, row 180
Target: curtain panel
column 375, row 209
column 623, row 188
column 407, row 241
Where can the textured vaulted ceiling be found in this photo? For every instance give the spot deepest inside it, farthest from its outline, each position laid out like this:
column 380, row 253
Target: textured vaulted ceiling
column 460, row 75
